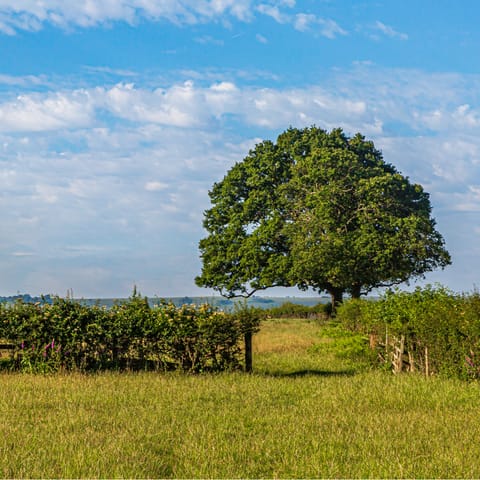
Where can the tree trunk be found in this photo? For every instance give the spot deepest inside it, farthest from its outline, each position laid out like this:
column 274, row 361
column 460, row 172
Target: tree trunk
column 356, row 291
column 336, row 295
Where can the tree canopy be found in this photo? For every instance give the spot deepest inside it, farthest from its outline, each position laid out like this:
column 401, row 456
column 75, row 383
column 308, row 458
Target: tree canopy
column 317, row 210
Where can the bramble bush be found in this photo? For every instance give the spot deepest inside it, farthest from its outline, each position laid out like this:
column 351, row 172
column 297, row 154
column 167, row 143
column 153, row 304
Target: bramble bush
column 433, row 321
column 67, row 335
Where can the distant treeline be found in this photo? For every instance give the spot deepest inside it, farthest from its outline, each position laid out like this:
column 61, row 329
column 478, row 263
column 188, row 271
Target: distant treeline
column 27, row 298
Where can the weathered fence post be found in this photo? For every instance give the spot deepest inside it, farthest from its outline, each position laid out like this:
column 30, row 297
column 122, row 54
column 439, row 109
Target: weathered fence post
column 248, row 351
column 249, row 320
column 411, row 361
column 427, row 366
column 397, row 360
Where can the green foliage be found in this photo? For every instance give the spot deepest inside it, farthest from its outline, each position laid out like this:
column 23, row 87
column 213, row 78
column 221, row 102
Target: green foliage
column 317, row 209
column 296, row 310
column 345, row 344
column 69, row 336
column 248, row 317
column 246, row 248
column 434, row 321
column 359, row 315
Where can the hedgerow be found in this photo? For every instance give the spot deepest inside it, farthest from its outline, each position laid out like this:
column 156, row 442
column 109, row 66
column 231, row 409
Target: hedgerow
column 296, row 310
column 66, row 335
column 438, row 329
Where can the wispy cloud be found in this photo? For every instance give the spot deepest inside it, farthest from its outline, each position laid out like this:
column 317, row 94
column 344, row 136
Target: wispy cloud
column 31, row 15
column 23, row 80
column 209, row 40
column 127, row 187
column 387, row 30
column 467, row 201
column 260, row 38
column 325, row 27
column 274, row 12
column 302, row 22
column 116, row 72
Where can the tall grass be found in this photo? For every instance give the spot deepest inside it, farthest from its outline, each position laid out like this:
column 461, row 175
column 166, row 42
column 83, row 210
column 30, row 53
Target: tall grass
column 304, row 413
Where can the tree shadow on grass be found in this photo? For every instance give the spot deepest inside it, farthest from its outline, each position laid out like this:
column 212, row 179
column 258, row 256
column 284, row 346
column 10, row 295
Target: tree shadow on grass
column 313, row 372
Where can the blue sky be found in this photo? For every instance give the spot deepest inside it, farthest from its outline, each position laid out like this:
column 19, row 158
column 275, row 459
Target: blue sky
column 117, row 116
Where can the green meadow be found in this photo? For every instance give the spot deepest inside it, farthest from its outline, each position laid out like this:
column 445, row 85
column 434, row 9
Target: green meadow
column 312, row 408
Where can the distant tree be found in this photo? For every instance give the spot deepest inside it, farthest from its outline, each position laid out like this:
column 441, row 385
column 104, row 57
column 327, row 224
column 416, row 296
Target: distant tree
column 317, row 210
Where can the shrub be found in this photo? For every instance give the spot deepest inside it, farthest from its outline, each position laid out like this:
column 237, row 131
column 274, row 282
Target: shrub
column 295, row 310
column 440, row 329
column 131, row 335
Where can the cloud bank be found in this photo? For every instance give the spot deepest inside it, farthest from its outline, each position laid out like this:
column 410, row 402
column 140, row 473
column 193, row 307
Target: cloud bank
column 106, row 180
column 32, row 15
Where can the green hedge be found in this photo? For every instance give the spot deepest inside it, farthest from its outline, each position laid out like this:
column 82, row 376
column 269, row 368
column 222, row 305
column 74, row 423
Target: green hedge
column 296, row 310
column 132, row 335
column 440, row 328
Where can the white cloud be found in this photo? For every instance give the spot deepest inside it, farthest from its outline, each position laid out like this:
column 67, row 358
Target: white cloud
column 102, row 198
column 272, row 108
column 209, row 40
column 302, row 22
column 183, row 105
column 389, row 31
column 31, row 15
column 418, row 103
column 260, row 38
column 274, row 12
column 467, row 201
column 448, row 117
column 224, row 87
column 23, row 81
column 475, row 190
column 329, row 28
column 155, row 186
column 137, row 184
column 46, row 193
column 37, row 112
column 110, row 71
column 438, row 103
column 325, row 27
column 180, row 105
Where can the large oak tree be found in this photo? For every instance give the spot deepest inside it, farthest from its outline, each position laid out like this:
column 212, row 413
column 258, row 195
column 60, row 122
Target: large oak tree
column 317, row 210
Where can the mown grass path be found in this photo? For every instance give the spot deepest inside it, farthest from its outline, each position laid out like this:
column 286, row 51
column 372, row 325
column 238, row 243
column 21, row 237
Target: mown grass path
column 303, row 413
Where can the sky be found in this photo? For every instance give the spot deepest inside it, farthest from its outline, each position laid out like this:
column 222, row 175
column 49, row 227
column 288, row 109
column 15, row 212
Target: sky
column 117, row 116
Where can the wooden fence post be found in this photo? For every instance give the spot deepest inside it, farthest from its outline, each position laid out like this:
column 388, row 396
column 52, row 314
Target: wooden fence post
column 411, row 361
column 427, row 367
column 248, row 350
column 397, row 359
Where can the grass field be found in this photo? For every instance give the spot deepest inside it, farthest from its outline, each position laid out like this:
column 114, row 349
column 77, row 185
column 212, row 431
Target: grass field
column 305, row 412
